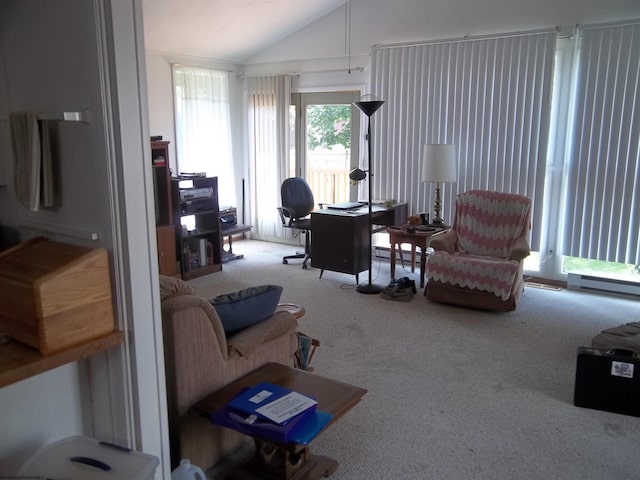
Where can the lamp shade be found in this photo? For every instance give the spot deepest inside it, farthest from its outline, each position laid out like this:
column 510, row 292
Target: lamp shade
column 369, row 107
column 357, row 174
column 439, row 163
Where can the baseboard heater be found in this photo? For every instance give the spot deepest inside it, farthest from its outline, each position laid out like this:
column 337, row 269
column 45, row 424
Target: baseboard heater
column 578, row 281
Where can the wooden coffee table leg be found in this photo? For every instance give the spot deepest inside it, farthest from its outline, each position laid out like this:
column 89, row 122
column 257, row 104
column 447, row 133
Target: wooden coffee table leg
column 278, row 462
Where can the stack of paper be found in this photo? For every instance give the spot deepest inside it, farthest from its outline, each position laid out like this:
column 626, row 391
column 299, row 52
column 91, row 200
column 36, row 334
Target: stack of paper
column 273, row 413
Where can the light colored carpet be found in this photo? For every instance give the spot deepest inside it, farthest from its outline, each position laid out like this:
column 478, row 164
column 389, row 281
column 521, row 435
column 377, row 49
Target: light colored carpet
column 452, row 393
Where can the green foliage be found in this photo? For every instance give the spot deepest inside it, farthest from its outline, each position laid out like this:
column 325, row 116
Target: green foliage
column 595, row 267
column 329, row 125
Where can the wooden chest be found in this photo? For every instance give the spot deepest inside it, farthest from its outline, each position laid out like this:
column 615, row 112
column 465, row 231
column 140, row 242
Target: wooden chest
column 54, row 295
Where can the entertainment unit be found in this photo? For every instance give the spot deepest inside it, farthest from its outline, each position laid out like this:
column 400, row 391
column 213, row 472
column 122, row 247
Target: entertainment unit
column 197, row 222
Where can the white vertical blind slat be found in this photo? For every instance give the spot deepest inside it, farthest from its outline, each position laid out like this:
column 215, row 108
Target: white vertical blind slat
column 268, row 113
column 603, row 212
column 488, row 96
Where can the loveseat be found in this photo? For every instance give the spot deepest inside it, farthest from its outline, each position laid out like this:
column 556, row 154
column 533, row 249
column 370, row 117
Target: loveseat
column 200, row 359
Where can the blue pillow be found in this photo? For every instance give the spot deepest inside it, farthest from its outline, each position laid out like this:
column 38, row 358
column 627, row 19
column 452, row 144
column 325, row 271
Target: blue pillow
column 241, row 309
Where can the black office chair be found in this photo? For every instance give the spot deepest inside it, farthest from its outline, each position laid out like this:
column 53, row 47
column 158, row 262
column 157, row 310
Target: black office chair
column 297, row 203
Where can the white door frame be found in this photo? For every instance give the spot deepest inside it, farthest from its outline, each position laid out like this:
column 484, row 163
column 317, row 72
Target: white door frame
column 127, row 386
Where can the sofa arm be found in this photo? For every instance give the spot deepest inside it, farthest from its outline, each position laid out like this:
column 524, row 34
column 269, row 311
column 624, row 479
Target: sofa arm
column 246, row 341
column 519, row 250
column 194, row 309
column 445, row 242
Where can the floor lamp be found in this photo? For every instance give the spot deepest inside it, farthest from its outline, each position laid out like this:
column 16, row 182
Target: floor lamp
column 368, row 107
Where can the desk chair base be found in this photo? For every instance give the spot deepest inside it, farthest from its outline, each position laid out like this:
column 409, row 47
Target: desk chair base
column 306, row 257
column 306, row 254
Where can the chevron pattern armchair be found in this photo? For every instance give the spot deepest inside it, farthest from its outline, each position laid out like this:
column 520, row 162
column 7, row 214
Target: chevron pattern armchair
column 479, row 262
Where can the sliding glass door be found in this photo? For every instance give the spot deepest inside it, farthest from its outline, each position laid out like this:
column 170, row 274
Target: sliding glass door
column 325, row 147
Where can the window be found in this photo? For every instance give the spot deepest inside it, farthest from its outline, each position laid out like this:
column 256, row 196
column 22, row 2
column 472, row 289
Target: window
column 603, row 164
column 490, row 96
column 327, row 146
column 576, row 153
column 203, row 132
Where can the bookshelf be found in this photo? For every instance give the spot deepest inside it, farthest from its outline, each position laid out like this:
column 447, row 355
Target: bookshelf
column 197, row 219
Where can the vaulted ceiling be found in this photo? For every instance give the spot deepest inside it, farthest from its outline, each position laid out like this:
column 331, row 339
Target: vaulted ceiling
column 226, row 30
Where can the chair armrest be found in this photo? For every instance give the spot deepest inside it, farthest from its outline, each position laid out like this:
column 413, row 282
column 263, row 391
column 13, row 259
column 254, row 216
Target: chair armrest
column 246, row 341
column 445, row 242
column 286, row 216
column 519, row 250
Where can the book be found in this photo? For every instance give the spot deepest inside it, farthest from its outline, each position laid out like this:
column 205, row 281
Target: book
column 272, row 402
column 202, row 252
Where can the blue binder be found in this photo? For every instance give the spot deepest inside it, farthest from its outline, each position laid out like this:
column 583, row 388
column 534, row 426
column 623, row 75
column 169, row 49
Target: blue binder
column 310, row 428
column 300, row 430
column 253, row 399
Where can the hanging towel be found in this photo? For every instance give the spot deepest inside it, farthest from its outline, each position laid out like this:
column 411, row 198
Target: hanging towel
column 33, row 168
column 25, row 136
column 46, row 181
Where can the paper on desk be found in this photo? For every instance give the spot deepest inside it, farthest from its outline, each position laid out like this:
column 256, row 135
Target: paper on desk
column 286, row 407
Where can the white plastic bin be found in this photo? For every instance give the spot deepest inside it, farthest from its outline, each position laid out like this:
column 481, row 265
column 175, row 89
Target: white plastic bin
column 85, row 458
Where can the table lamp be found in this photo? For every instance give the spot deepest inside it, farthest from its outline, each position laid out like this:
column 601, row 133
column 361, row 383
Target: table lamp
column 439, row 166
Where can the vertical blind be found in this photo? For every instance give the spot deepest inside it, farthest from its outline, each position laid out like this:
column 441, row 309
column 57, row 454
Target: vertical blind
column 268, row 116
column 603, row 197
column 488, row 96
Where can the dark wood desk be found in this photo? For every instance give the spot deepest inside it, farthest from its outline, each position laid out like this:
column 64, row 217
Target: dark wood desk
column 340, row 238
column 290, row 461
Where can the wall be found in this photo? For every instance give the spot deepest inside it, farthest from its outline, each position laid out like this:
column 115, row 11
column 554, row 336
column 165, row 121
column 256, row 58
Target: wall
column 319, row 53
column 47, row 407
column 74, row 55
column 401, row 21
column 160, row 93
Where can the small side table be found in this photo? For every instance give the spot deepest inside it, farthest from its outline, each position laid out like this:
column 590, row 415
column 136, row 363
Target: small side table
column 297, row 311
column 419, row 239
column 228, row 255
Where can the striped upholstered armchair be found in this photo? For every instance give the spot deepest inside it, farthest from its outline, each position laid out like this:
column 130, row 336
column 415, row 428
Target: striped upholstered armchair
column 478, row 263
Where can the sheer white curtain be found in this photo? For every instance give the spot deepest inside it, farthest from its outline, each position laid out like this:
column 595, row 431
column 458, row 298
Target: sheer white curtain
column 268, row 100
column 488, row 96
column 203, row 127
column 603, row 191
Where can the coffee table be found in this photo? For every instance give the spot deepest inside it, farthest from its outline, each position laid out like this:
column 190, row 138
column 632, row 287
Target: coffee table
column 288, row 461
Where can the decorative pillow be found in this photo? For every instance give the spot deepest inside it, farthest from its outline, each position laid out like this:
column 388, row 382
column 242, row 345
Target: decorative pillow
column 241, row 309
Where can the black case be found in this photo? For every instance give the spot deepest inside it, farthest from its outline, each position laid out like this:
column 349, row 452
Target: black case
column 608, row 380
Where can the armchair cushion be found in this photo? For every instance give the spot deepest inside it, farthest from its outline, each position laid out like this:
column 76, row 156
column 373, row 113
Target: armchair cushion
column 246, row 341
column 483, row 273
column 246, row 307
